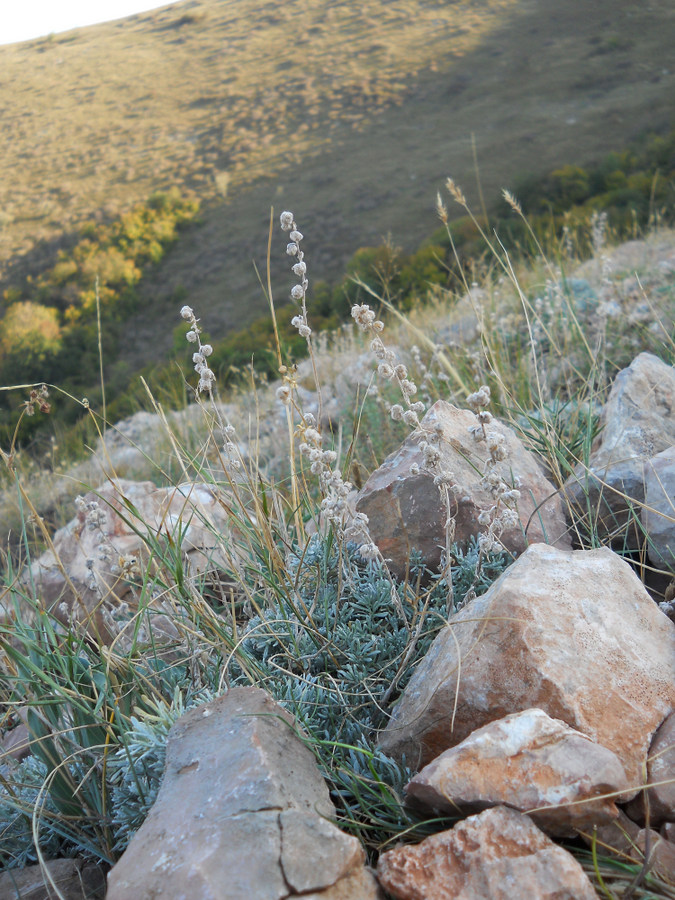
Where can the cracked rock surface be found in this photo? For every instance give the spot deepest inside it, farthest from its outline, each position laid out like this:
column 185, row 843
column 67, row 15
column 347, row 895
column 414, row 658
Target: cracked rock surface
column 243, row 812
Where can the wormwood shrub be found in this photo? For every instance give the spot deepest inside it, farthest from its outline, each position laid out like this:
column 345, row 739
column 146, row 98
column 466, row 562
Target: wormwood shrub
column 335, row 650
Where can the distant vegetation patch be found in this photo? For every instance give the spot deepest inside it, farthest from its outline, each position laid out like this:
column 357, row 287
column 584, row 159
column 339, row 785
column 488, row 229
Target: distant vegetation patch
column 49, row 330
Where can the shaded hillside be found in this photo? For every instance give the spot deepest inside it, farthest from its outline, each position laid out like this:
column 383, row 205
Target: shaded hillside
column 351, row 120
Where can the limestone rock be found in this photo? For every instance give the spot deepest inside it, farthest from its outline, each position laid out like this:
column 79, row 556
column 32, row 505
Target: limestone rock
column 525, row 761
column 574, row 634
column 660, row 774
column 638, row 423
column 658, row 513
column 497, row 855
column 74, row 879
column 404, row 505
column 243, row 812
column 100, row 555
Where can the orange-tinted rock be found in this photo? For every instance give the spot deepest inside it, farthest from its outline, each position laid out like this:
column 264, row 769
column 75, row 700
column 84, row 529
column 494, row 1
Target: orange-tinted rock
column 497, row 855
column 574, row 634
column 527, row 761
column 404, row 506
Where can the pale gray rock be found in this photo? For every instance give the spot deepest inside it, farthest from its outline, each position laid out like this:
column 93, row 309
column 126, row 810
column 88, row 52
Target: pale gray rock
column 529, row 762
column 97, row 559
column 242, row 813
column 658, row 513
column 660, row 777
column 404, row 505
column 497, row 855
column 574, row 634
column 638, row 422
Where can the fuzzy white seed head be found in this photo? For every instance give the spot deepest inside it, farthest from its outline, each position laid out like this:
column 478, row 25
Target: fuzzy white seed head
column 369, row 551
column 186, row 312
column 286, row 220
column 297, row 292
column 292, row 249
column 284, row 394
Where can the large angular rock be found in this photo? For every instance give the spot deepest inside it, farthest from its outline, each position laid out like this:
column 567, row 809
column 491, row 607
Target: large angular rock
column 404, row 506
column 658, row 513
column 497, row 855
column 638, row 422
column 531, row 763
column 242, row 813
column 99, row 558
column 574, row 634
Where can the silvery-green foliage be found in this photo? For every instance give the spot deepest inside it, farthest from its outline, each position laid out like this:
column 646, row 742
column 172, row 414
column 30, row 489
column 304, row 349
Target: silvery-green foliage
column 466, row 573
column 332, row 650
column 17, row 848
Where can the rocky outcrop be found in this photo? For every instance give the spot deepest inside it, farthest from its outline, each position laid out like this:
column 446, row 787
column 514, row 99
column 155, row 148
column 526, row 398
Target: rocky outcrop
column 532, row 763
column 574, row 634
column 638, row 422
column 404, row 505
column 242, row 812
column 497, row 855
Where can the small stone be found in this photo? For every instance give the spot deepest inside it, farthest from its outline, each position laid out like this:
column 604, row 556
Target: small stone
column 497, row 855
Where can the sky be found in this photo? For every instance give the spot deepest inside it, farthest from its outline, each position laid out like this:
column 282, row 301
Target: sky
column 23, row 20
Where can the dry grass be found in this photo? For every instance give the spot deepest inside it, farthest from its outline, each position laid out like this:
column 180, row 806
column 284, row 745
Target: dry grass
column 354, row 118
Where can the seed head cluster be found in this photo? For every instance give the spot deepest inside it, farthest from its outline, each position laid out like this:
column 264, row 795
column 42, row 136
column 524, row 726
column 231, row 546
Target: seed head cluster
column 389, row 367
column 207, row 377
column 299, row 268
column 503, row 513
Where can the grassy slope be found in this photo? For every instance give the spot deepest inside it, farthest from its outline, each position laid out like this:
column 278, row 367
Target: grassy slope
column 351, row 121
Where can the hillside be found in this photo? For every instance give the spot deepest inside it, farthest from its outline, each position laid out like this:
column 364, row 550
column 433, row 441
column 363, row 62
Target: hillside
column 352, row 120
